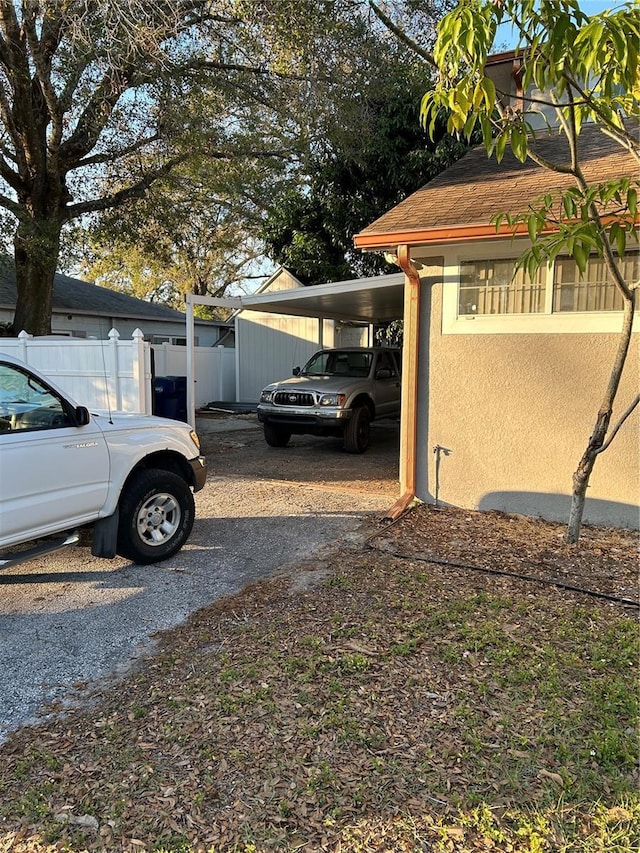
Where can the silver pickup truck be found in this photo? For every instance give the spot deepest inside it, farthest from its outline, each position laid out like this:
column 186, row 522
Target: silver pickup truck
column 337, row 393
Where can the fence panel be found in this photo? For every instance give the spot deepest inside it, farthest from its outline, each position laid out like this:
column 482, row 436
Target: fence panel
column 107, row 375
column 215, row 370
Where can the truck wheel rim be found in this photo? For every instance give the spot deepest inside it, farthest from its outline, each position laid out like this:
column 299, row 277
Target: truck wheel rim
column 158, row 519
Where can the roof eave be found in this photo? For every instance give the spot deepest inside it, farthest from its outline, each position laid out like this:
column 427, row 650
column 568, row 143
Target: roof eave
column 389, row 240
column 370, row 241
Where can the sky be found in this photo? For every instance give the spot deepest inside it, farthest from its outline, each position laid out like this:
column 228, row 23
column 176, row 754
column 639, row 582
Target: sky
column 507, row 40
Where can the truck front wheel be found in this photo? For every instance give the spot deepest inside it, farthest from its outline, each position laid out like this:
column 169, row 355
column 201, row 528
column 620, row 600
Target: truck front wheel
column 156, row 516
column 357, row 430
column 276, row 436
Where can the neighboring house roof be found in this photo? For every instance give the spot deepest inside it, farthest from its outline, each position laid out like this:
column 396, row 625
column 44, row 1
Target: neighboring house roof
column 273, row 278
column 75, row 296
column 458, row 204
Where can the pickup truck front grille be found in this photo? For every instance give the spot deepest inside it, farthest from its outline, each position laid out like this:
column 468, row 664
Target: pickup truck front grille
column 293, row 398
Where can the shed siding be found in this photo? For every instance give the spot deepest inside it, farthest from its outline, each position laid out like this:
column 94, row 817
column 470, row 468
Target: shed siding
column 283, row 280
column 269, row 346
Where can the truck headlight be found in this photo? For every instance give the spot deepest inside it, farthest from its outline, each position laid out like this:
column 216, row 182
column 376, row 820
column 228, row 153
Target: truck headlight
column 266, row 396
column 333, row 400
column 195, row 439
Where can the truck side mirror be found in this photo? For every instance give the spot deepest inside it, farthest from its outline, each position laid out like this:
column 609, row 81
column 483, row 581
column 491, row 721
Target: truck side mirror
column 296, row 371
column 81, row 416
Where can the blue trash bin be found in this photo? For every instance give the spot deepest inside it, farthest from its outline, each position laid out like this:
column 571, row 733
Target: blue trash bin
column 170, row 397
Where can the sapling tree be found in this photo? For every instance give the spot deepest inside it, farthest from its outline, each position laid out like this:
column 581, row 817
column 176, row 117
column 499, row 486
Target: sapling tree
column 582, row 69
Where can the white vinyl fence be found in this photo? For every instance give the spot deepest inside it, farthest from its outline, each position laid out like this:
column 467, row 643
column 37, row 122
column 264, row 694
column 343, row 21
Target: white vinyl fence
column 115, row 375
column 215, row 370
column 102, row 375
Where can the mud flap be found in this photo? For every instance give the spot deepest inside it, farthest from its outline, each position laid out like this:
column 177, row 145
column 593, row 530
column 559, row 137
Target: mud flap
column 105, row 537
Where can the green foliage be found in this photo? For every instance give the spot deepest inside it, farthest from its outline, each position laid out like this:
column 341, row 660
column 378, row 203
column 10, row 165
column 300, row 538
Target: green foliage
column 190, row 234
column 379, row 157
column 117, row 98
column 323, row 142
column 586, row 66
column 583, row 70
column 575, row 231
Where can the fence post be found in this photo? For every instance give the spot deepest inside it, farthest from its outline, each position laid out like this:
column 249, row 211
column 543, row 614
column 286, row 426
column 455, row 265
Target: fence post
column 137, row 365
column 191, row 362
column 221, row 372
column 115, row 377
column 23, row 337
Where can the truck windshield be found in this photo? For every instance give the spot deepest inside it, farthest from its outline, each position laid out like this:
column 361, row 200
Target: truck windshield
column 339, row 363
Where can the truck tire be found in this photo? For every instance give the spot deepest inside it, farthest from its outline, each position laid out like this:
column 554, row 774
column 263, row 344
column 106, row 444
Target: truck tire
column 357, row 430
column 276, row 436
column 156, row 516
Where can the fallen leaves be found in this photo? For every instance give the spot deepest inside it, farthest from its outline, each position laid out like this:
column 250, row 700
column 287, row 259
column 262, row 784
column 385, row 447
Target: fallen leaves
column 366, row 711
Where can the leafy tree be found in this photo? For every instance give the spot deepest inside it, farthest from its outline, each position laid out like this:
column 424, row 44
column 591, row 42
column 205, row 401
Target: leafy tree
column 310, row 228
column 99, row 101
column 371, row 159
column 330, row 62
column 180, row 238
column 587, row 71
column 338, row 62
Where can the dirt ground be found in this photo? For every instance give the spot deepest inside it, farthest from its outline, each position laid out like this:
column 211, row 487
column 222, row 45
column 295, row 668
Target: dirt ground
column 307, row 459
column 606, row 561
column 361, row 712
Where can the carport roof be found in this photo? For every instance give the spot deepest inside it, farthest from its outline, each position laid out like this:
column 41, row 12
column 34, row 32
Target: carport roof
column 370, row 300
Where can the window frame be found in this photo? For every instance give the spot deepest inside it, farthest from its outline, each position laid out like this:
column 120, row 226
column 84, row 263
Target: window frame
column 545, row 322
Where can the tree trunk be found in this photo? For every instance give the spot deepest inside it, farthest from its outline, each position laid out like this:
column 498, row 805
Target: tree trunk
column 585, row 467
column 36, row 249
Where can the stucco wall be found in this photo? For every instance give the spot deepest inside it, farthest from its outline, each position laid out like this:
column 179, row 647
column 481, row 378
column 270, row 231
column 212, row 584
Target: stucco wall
column 513, row 413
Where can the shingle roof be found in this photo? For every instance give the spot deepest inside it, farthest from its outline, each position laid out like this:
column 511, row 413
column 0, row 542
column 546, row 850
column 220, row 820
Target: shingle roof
column 81, row 297
column 476, row 187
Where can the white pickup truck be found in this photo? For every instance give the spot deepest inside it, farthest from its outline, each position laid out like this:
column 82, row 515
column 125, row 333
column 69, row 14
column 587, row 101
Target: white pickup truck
column 130, row 478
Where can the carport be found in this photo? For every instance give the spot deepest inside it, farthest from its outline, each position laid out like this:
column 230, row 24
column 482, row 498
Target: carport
column 372, row 300
column 369, row 300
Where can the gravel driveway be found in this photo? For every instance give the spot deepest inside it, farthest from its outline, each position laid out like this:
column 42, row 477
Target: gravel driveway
column 70, row 620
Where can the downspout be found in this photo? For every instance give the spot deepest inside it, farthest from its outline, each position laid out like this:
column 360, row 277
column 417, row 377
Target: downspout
column 409, row 408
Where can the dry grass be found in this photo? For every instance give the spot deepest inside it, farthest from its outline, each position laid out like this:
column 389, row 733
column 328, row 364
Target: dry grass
column 399, row 704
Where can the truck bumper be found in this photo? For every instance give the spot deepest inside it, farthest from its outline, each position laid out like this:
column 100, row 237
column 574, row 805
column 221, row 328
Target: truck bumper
column 304, row 419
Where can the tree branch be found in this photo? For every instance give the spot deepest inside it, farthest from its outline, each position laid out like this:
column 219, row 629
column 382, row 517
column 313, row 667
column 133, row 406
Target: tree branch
column 547, row 164
column 95, row 116
column 7, row 120
column 134, row 191
column 628, row 411
column 12, row 206
column 209, row 65
column 10, row 176
column 22, row 125
column 401, row 35
column 42, row 63
column 620, row 134
column 570, row 130
column 102, row 159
